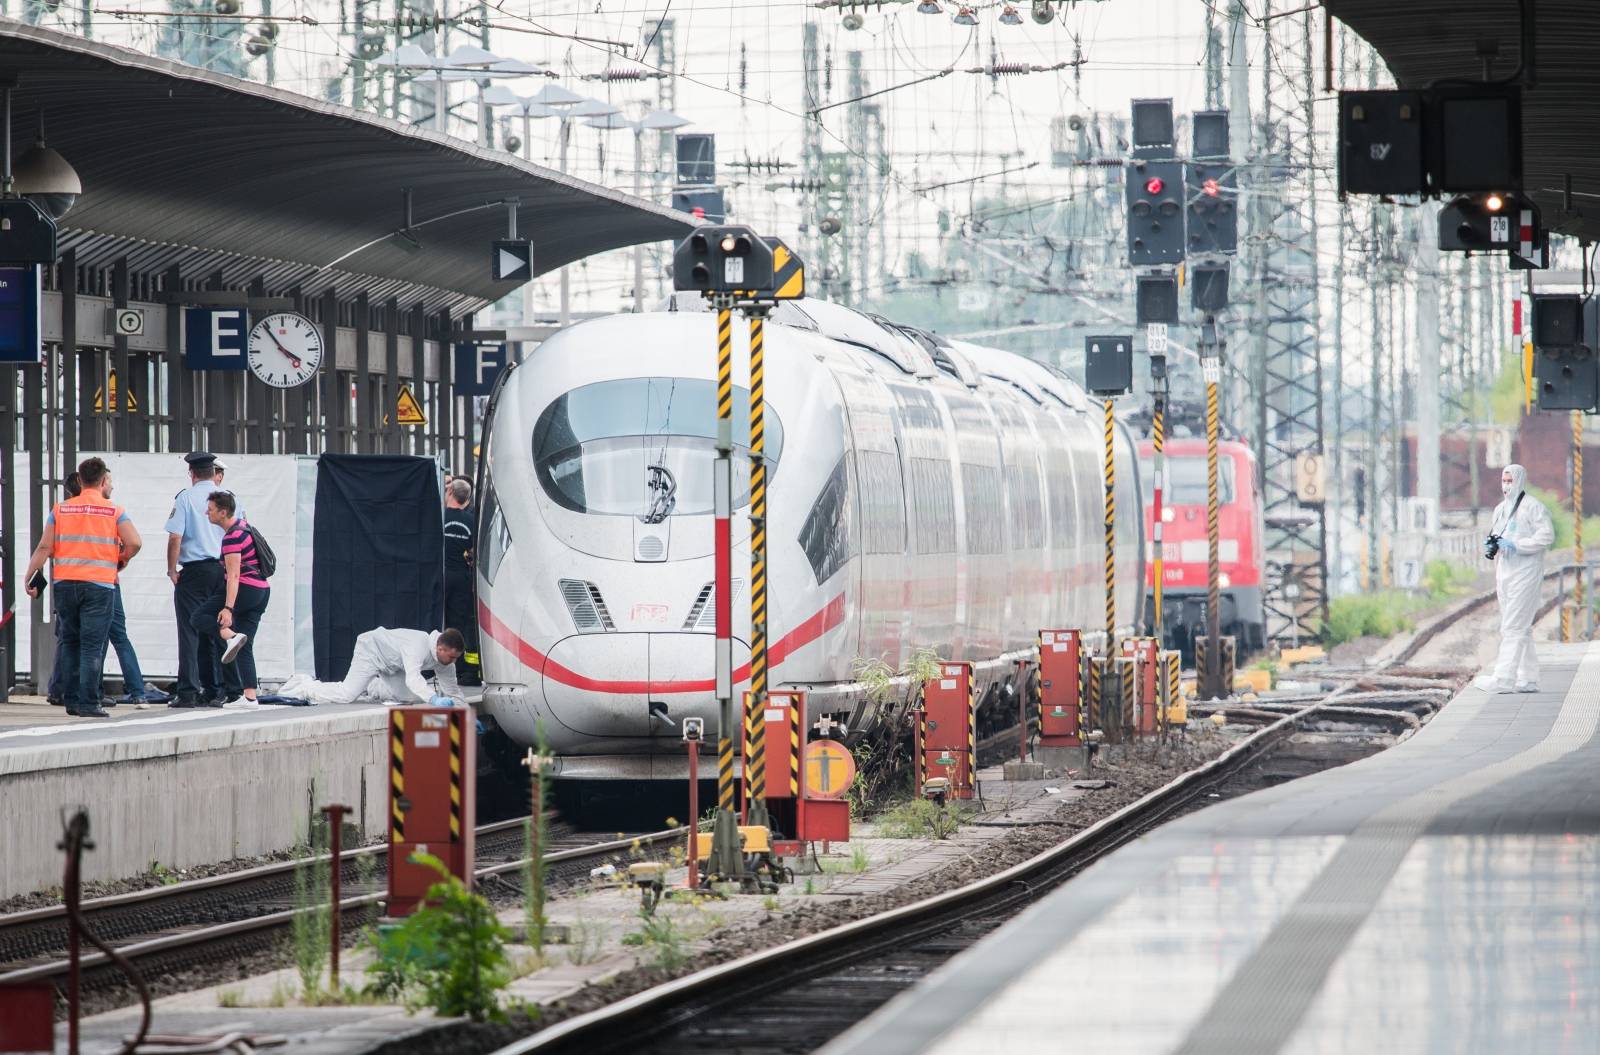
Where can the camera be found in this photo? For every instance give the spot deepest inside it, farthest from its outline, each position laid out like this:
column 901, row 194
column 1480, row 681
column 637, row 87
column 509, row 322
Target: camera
column 1491, row 546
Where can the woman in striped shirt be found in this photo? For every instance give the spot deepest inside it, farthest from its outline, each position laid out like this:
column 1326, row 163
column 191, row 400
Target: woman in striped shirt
column 245, row 594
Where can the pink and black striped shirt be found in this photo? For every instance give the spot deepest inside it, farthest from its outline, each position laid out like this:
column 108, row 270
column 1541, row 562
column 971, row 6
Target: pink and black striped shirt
column 239, row 540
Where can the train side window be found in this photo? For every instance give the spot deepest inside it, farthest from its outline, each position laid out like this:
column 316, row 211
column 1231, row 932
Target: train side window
column 496, row 541
column 883, row 502
column 980, row 498
column 934, row 501
column 826, row 537
column 1027, row 522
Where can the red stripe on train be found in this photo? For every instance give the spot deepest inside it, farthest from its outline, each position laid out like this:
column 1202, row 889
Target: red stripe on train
column 830, row 616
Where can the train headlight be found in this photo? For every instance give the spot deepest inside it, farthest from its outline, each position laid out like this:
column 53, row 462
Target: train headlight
column 1223, row 580
column 1167, row 515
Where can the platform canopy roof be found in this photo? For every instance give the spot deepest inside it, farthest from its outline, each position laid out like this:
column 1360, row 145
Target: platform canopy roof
column 1429, row 40
column 184, row 166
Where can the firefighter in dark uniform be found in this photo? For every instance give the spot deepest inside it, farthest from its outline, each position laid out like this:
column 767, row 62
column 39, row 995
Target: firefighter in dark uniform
column 460, row 606
column 194, row 564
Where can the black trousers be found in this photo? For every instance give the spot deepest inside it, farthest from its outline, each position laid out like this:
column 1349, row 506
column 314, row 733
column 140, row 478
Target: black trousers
column 461, row 612
column 248, row 608
column 199, row 655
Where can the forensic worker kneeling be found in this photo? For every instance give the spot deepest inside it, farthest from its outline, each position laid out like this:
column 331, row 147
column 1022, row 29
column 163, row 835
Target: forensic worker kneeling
column 1521, row 533
column 391, row 666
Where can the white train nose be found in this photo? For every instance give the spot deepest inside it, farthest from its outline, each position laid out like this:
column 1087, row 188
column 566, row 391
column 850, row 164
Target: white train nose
column 606, row 684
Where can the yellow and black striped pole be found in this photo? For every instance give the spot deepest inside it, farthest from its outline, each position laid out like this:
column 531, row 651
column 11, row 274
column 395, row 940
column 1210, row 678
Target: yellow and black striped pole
column 726, row 859
column 1577, row 518
column 455, row 780
column 755, row 724
column 397, row 776
column 1213, row 569
column 972, row 732
column 1111, row 534
column 1158, row 438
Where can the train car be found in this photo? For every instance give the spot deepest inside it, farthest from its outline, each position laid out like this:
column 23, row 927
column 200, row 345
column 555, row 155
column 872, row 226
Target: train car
column 923, row 493
column 1240, row 543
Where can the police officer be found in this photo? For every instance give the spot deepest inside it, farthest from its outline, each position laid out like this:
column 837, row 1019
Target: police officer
column 194, row 564
column 460, row 610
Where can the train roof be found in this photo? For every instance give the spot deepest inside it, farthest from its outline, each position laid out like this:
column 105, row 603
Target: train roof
column 915, row 351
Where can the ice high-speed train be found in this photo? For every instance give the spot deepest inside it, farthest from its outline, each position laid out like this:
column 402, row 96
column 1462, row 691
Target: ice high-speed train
column 922, row 492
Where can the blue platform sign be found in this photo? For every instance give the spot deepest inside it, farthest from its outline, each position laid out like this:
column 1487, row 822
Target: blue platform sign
column 19, row 315
column 215, row 338
column 478, row 366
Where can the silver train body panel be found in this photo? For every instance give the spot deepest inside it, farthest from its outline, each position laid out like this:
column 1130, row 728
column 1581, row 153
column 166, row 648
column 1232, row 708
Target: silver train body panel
column 923, row 494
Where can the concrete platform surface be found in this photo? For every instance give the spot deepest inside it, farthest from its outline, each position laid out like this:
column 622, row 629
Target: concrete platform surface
column 179, row 788
column 1441, row 896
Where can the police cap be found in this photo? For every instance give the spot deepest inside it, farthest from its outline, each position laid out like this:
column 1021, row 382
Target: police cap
column 200, row 459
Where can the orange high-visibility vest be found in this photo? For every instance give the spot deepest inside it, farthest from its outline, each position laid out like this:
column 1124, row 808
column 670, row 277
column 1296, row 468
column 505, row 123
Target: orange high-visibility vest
column 88, row 545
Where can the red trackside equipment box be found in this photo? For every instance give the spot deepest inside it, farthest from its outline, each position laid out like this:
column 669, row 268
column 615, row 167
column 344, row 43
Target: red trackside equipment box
column 432, row 808
column 1060, row 688
column 947, row 731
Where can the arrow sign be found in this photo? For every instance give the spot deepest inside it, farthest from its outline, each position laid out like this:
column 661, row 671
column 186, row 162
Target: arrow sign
column 512, row 260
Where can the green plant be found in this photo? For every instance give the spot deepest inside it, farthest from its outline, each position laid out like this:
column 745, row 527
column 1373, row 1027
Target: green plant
column 230, row 998
column 663, row 939
column 919, row 819
column 311, row 929
column 585, row 940
column 858, row 858
column 876, row 678
column 537, row 834
column 162, row 874
column 449, row 955
column 810, row 887
column 924, row 664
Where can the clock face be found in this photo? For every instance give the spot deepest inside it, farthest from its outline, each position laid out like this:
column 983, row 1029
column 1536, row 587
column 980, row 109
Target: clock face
column 285, row 349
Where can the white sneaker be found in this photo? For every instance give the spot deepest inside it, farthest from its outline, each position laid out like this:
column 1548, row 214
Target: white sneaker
column 243, row 703
column 230, row 651
column 1527, row 686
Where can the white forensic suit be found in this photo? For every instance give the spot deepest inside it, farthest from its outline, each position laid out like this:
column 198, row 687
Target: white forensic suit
column 1518, row 573
column 392, row 666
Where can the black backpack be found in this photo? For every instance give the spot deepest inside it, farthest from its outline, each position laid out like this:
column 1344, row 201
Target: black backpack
column 265, row 558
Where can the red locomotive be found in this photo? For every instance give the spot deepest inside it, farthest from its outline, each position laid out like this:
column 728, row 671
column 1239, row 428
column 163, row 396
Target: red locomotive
column 1240, row 548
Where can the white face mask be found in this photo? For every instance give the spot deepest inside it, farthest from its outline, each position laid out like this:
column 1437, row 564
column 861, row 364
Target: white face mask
column 1505, row 488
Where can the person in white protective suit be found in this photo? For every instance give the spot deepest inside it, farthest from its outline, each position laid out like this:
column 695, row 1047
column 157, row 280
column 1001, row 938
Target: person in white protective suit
column 391, row 666
column 1523, row 527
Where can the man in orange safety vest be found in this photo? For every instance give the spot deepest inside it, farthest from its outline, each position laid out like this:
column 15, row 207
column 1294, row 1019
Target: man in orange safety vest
column 87, row 540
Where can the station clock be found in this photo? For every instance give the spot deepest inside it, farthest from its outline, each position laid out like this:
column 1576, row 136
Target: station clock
column 285, row 349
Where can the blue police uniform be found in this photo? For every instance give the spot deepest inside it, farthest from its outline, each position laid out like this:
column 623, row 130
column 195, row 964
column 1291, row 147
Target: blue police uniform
column 200, row 673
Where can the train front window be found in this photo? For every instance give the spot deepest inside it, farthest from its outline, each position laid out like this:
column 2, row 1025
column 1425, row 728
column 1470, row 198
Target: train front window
column 1186, row 480
column 643, row 447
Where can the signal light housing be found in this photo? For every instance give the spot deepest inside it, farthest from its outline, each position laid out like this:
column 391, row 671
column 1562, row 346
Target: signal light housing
column 728, row 259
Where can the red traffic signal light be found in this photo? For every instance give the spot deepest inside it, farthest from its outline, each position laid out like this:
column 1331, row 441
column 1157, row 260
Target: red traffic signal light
column 1154, row 185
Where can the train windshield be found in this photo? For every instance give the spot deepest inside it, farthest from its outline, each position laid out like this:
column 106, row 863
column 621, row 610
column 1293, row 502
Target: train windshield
column 1186, row 480
column 643, row 447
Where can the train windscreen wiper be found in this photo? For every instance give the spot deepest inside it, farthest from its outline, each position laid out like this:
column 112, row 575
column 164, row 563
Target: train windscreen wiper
column 663, row 488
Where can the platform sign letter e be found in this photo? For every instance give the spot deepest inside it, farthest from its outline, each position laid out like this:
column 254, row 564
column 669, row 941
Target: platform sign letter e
column 214, row 338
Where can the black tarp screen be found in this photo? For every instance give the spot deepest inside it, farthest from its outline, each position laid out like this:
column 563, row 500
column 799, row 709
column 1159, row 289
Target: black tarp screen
column 379, row 551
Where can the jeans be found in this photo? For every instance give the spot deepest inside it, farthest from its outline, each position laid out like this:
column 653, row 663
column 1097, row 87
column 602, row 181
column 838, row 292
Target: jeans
column 248, row 607
column 84, row 611
column 199, row 673
column 132, row 677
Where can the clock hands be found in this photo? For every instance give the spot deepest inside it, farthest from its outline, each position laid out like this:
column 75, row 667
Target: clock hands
column 293, row 359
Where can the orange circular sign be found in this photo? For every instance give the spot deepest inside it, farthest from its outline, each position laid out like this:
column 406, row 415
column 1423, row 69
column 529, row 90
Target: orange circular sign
column 830, row 769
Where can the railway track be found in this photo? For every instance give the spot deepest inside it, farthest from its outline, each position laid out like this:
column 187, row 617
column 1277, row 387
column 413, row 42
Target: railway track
column 800, row 995
column 205, row 921
column 797, row 996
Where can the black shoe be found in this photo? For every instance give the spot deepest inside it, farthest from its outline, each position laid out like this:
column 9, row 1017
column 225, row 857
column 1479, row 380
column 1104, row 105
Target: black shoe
column 187, row 701
column 88, row 712
column 214, row 701
column 55, row 701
